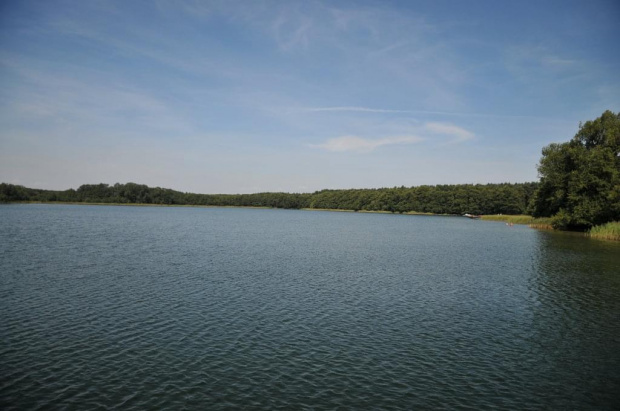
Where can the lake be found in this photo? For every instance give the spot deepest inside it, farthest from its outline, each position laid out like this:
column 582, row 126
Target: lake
column 127, row 308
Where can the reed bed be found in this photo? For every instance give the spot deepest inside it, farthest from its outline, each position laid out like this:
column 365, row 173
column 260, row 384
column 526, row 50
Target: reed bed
column 515, row 219
column 541, row 223
column 544, row 223
column 609, row 231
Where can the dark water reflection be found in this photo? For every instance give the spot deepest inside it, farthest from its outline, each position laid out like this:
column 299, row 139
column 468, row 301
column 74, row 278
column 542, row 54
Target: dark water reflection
column 151, row 308
column 576, row 323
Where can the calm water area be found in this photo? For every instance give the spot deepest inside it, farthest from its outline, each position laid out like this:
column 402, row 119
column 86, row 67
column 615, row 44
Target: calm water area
column 135, row 308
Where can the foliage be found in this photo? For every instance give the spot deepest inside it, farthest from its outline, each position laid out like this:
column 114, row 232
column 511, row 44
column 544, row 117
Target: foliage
column 580, row 179
column 442, row 199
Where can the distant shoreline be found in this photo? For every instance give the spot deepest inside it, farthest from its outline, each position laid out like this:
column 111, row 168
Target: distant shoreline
column 430, row 200
column 498, row 217
column 225, row 206
column 515, row 219
column 133, row 204
column 342, row 210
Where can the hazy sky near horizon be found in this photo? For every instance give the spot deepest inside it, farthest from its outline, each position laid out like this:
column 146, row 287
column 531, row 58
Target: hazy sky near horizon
column 251, row 96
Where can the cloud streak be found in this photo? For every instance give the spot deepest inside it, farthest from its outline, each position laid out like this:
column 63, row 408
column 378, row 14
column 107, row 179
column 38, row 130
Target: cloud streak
column 357, row 109
column 363, row 145
column 353, row 109
column 353, row 143
column 459, row 133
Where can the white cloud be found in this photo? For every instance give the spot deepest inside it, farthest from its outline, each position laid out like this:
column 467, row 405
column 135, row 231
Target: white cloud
column 460, row 134
column 363, row 145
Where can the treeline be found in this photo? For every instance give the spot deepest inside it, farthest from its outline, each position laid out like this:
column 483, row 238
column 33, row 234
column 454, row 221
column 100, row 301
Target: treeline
column 440, row 199
column 580, row 179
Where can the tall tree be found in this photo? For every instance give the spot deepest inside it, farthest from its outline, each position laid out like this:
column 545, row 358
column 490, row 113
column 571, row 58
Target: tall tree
column 580, row 179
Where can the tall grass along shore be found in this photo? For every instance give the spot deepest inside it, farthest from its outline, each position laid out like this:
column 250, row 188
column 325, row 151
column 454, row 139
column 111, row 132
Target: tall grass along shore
column 520, row 219
column 609, row 231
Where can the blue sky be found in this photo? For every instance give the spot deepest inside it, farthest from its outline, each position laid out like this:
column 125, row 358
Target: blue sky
column 251, row 96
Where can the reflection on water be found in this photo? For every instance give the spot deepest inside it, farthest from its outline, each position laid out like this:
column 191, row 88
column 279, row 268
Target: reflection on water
column 161, row 308
column 576, row 327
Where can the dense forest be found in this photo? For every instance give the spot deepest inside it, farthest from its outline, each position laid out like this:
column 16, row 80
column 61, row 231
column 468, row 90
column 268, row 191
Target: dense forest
column 441, row 199
column 580, row 179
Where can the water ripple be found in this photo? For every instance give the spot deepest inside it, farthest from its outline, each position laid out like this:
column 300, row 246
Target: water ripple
column 146, row 308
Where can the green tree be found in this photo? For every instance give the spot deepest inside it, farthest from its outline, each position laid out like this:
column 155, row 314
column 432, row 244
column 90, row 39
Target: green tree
column 580, row 179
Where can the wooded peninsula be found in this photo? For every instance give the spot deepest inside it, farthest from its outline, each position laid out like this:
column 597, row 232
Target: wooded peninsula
column 441, row 199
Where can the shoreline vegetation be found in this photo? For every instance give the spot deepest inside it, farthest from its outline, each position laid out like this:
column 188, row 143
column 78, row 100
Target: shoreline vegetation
column 337, row 210
column 579, row 184
column 441, row 199
column 534, row 222
column 609, row 231
column 89, row 203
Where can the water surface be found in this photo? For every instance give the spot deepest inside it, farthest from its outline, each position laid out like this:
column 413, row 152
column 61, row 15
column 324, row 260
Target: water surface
column 206, row 308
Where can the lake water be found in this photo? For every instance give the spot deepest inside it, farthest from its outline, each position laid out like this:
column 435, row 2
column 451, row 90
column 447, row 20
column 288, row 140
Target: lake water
column 207, row 308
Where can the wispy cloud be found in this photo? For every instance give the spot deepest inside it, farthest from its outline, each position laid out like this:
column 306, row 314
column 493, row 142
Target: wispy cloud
column 387, row 49
column 536, row 65
column 354, row 109
column 387, row 111
column 84, row 100
column 557, row 61
column 449, row 133
column 459, row 133
column 288, row 38
column 363, row 145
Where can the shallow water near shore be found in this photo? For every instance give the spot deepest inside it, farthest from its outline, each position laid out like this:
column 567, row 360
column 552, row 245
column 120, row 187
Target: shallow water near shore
column 192, row 308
